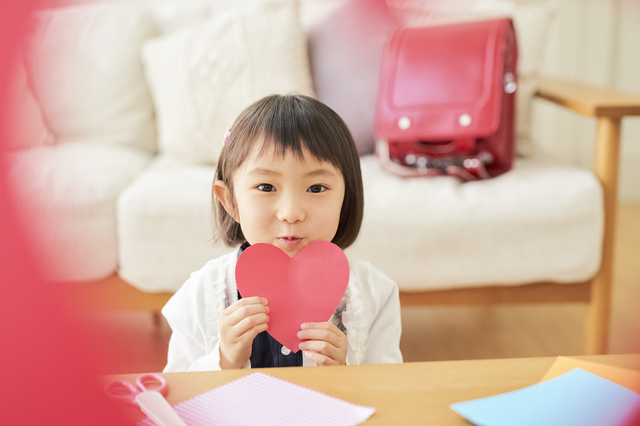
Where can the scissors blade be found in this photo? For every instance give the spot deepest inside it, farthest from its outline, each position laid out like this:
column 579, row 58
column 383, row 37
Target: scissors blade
column 157, row 408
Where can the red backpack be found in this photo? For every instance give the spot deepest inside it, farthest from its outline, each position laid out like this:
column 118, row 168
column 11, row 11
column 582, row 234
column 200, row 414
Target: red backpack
column 446, row 100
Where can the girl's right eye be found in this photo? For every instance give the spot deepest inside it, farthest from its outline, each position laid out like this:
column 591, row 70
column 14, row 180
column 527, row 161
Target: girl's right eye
column 266, row 187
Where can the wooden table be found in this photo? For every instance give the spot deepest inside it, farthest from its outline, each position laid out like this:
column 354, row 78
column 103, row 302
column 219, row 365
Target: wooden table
column 410, row 393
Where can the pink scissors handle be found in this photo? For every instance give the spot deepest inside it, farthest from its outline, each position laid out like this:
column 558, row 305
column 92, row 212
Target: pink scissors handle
column 112, row 389
column 152, row 377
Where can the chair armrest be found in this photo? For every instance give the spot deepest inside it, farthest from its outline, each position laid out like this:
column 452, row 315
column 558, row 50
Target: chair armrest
column 588, row 99
column 608, row 106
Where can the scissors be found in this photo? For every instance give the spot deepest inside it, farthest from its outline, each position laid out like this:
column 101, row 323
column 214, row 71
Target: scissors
column 150, row 401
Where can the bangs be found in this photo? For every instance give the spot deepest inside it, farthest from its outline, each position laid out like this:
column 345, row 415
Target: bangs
column 289, row 124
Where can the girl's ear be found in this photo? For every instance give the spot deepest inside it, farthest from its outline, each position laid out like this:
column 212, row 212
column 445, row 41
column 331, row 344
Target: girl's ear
column 224, row 195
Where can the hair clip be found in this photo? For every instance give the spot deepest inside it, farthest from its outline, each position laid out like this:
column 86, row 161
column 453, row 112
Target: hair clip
column 226, row 135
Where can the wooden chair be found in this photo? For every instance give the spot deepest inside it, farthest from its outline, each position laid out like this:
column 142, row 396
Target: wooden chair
column 608, row 107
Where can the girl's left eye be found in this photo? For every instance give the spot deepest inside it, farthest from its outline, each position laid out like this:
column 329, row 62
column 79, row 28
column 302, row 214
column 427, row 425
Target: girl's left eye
column 317, row 188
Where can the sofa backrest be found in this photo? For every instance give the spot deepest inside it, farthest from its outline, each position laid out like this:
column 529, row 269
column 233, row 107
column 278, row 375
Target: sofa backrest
column 84, row 68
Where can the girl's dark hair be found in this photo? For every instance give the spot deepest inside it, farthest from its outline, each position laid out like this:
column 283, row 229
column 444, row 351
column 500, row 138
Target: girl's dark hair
column 289, row 123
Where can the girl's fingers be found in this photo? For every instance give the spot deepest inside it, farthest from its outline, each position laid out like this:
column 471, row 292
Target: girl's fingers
column 245, row 311
column 321, row 347
column 251, row 334
column 244, row 302
column 324, row 343
column 248, row 323
column 329, row 326
column 319, row 359
column 323, row 335
column 321, row 331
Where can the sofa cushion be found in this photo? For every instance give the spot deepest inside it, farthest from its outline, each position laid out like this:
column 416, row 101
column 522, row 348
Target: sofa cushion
column 539, row 222
column 204, row 76
column 26, row 125
column 85, row 69
column 68, row 194
column 175, row 15
column 164, row 225
column 532, row 20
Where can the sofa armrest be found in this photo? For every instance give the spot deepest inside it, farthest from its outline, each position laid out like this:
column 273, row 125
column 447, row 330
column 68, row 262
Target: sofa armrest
column 608, row 106
column 588, row 99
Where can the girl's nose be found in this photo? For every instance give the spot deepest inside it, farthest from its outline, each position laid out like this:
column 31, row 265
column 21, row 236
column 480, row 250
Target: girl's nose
column 290, row 210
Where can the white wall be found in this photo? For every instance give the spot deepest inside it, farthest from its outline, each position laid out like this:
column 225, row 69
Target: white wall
column 595, row 41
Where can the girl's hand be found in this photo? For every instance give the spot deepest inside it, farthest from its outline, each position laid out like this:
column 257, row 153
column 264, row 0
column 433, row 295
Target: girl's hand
column 239, row 324
column 326, row 344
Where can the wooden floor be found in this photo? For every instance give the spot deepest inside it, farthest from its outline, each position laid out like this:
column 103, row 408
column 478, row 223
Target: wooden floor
column 443, row 333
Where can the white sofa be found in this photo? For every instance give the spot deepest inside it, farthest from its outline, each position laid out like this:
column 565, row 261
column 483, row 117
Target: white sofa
column 137, row 99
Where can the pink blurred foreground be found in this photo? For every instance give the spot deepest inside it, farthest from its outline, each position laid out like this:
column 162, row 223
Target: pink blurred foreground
column 45, row 366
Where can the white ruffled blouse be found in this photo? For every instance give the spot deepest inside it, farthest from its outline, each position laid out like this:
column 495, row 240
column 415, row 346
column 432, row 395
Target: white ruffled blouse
column 369, row 315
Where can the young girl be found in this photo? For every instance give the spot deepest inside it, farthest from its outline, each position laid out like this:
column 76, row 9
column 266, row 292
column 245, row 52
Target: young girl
column 288, row 175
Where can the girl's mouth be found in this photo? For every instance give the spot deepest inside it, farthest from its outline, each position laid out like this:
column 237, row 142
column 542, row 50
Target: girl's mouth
column 290, row 242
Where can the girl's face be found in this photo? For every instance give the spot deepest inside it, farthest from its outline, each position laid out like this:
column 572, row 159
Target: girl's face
column 288, row 202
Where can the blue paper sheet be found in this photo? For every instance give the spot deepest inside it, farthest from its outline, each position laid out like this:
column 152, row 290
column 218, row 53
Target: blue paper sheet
column 576, row 398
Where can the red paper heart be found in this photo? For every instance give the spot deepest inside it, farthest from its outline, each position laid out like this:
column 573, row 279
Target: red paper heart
column 305, row 288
